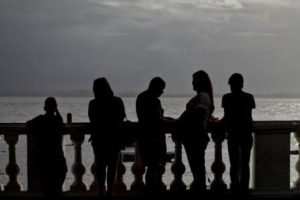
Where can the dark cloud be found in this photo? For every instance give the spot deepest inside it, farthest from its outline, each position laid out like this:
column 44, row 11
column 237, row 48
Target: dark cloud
column 49, row 45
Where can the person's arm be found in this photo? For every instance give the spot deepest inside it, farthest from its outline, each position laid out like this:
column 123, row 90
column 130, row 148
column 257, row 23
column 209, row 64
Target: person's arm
column 122, row 111
column 224, row 104
column 91, row 111
column 253, row 102
column 58, row 115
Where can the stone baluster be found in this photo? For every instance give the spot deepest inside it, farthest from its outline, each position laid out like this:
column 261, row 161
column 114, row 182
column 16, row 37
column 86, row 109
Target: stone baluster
column 94, row 187
column 12, row 168
column 218, row 167
column 0, row 183
column 120, row 186
column 138, row 169
column 161, row 185
column 178, row 169
column 297, row 182
column 78, row 168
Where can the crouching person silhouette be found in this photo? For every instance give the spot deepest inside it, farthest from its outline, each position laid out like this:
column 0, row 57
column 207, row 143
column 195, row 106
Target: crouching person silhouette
column 47, row 133
column 106, row 113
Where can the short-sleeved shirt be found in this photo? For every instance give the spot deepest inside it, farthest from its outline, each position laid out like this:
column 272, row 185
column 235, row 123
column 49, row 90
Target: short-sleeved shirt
column 238, row 111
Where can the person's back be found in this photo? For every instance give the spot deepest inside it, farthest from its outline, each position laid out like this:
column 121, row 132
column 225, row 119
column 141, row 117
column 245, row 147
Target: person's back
column 238, row 110
column 105, row 117
column 47, row 131
column 149, row 112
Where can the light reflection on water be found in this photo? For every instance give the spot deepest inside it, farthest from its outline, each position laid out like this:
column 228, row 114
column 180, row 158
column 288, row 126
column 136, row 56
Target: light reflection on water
column 13, row 109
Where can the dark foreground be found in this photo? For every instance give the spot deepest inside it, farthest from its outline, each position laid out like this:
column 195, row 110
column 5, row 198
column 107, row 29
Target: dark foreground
column 226, row 195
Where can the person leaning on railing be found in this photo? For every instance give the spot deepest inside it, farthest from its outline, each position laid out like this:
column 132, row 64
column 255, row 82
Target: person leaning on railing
column 152, row 142
column 47, row 133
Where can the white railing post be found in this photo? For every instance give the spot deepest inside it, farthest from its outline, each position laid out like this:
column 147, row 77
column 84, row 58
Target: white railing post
column 178, row 169
column 297, row 182
column 12, row 168
column 0, row 183
column 138, row 169
column 78, row 168
column 119, row 186
column 94, row 187
column 218, row 167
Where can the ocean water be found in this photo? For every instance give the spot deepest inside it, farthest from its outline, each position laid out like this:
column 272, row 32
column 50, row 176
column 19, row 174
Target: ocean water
column 21, row 109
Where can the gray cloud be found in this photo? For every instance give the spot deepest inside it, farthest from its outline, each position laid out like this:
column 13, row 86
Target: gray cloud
column 46, row 45
column 255, row 34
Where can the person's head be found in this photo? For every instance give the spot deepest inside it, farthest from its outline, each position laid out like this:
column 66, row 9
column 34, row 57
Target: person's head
column 157, row 86
column 102, row 88
column 50, row 105
column 236, row 82
column 202, row 83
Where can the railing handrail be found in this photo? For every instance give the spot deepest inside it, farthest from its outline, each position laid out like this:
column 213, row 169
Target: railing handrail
column 259, row 126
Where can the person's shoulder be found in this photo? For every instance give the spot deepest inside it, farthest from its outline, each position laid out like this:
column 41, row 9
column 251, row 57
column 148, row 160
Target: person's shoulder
column 226, row 98
column 35, row 121
column 59, row 119
column 203, row 94
column 203, row 97
column 92, row 101
column 248, row 95
column 227, row 95
column 142, row 95
column 117, row 99
column 92, row 105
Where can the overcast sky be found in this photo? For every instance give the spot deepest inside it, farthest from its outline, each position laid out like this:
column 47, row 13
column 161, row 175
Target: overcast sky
column 66, row 44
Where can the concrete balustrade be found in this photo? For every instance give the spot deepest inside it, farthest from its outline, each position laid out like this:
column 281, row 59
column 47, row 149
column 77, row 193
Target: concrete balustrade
column 271, row 162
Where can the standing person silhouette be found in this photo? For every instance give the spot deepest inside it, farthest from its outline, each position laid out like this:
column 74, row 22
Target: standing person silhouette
column 47, row 133
column 106, row 112
column 192, row 131
column 152, row 143
column 238, row 107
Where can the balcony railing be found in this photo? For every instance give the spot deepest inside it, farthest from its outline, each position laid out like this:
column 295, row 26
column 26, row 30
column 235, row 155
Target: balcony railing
column 271, row 161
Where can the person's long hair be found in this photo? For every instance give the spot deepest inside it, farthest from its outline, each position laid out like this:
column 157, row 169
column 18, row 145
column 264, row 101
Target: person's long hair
column 102, row 88
column 202, row 83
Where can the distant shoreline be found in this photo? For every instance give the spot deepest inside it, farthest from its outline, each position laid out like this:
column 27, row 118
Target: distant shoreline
column 133, row 95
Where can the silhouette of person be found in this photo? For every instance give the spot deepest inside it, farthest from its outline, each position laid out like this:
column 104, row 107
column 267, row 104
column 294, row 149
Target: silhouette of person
column 47, row 133
column 106, row 112
column 191, row 128
column 238, row 107
column 152, row 143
